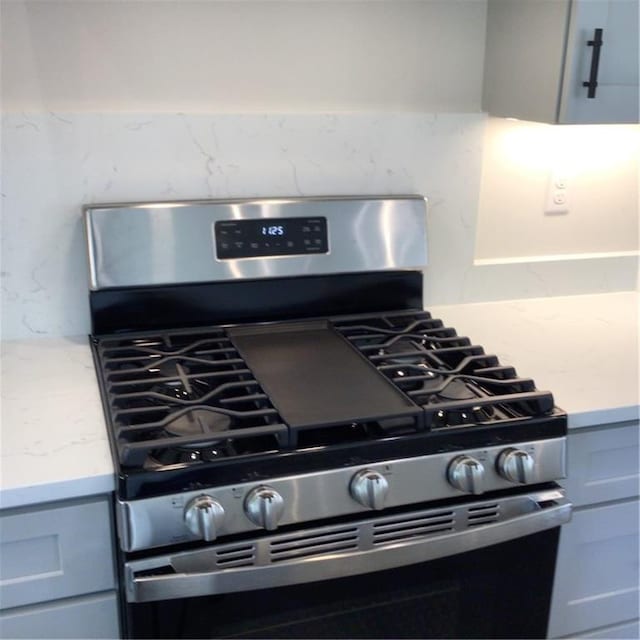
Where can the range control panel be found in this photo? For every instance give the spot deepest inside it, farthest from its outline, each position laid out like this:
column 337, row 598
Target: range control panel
column 270, row 237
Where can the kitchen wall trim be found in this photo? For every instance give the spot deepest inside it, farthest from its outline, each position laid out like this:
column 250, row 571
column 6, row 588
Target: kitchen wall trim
column 557, row 258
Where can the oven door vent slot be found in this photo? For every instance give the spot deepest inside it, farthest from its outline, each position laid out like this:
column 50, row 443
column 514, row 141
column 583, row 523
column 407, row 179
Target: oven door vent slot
column 484, row 514
column 409, row 528
column 305, row 545
column 240, row 556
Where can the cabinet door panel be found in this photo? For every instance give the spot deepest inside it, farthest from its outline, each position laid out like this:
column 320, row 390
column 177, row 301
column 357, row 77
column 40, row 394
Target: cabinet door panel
column 89, row 617
column 619, row 60
column 597, row 570
column 523, row 58
column 616, row 97
column 603, row 465
column 56, row 552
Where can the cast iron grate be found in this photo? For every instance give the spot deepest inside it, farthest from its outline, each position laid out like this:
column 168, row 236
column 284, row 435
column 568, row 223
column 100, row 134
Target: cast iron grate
column 455, row 382
column 183, row 398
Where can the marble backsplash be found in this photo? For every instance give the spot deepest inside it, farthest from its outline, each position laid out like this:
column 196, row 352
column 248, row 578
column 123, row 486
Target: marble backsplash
column 53, row 163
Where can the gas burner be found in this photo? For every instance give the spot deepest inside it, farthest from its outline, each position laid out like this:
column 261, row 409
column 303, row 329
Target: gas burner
column 211, row 425
column 472, row 415
column 402, row 352
column 181, row 388
column 196, row 422
column 456, row 389
column 432, row 388
column 168, row 368
column 175, row 381
column 182, row 455
column 416, row 377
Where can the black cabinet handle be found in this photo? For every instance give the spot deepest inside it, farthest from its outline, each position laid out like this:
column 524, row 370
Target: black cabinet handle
column 596, row 43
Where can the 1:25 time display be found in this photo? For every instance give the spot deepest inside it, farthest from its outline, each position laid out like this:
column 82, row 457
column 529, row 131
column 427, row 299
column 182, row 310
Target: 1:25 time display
column 273, row 230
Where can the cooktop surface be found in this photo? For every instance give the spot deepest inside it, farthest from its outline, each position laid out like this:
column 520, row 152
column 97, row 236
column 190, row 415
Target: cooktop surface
column 268, row 399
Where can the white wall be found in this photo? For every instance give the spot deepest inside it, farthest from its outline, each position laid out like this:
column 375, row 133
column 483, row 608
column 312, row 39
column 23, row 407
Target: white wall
column 601, row 166
column 57, row 162
column 108, row 101
column 243, row 55
column 124, row 101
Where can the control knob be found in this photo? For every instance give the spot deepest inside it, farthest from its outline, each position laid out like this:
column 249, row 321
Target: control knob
column 369, row 488
column 264, row 506
column 467, row 474
column 516, row 465
column 203, row 516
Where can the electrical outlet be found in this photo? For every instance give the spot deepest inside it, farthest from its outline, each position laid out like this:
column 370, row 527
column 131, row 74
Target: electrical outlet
column 557, row 199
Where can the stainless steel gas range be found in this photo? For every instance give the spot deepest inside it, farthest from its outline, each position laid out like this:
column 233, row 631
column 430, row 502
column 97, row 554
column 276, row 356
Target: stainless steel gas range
column 301, row 450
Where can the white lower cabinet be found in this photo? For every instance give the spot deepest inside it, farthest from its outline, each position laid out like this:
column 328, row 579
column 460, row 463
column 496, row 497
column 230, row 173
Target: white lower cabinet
column 57, row 571
column 597, row 572
column 624, row 631
column 93, row 616
column 596, row 591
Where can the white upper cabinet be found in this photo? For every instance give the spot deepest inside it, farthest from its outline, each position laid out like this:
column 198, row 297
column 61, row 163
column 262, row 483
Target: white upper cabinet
column 541, row 54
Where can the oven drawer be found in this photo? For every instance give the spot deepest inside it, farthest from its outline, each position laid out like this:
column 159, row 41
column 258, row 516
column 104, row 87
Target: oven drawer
column 55, row 552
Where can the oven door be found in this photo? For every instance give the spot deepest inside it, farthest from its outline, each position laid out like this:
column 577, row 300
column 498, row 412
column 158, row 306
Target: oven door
column 476, row 569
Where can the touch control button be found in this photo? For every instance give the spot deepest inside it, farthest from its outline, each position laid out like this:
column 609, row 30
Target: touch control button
column 467, row 474
column 369, row 488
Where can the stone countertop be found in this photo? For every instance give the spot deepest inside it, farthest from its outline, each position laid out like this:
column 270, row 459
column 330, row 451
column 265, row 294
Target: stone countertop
column 54, row 441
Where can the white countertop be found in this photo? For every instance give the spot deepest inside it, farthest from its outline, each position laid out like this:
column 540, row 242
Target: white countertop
column 54, row 440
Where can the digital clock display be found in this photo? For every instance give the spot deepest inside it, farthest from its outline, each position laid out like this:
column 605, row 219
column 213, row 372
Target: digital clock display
column 259, row 237
column 273, row 230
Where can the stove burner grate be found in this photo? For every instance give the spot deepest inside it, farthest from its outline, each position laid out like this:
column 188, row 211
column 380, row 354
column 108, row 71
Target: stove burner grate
column 188, row 397
column 455, row 382
column 184, row 398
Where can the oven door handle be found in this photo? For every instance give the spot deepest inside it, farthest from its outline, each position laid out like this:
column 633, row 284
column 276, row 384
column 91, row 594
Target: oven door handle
column 190, row 574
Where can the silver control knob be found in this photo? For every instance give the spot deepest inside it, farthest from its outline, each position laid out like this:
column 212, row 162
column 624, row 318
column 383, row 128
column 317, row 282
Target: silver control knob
column 467, row 474
column 516, row 465
column 264, row 506
column 369, row 488
column 203, row 516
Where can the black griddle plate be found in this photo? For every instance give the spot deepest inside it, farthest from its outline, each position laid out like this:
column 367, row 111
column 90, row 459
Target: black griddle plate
column 314, row 377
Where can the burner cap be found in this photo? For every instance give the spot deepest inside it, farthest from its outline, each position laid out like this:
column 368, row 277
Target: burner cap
column 400, row 352
column 187, row 454
column 199, row 422
column 416, row 378
column 457, row 390
column 177, row 384
column 168, row 368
